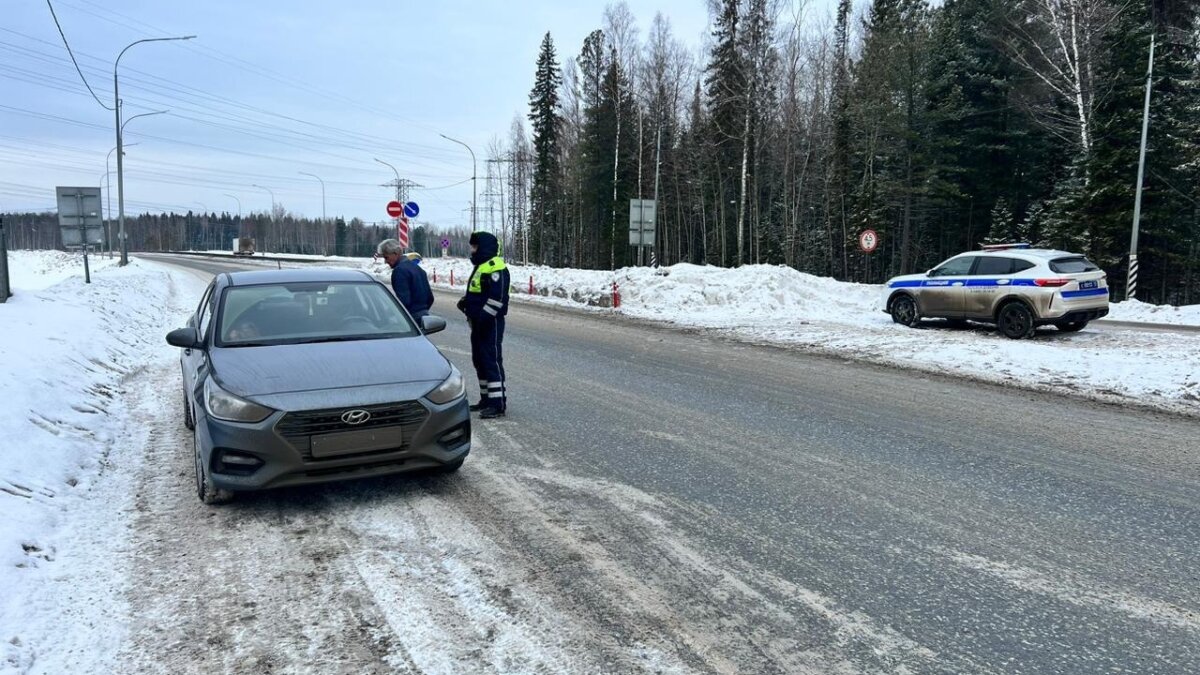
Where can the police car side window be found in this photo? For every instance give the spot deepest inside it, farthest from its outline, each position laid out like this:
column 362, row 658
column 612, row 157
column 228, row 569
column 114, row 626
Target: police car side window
column 1022, row 265
column 956, row 268
column 995, row 266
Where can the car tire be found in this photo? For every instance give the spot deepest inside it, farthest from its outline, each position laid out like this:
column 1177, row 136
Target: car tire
column 1015, row 321
column 205, row 490
column 904, row 311
column 1071, row 326
column 189, row 420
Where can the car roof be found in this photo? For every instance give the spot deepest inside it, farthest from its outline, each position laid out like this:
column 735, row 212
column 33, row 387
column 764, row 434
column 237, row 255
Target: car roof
column 1037, row 253
column 308, row 274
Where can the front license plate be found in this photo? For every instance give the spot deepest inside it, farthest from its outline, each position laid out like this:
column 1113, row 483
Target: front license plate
column 354, row 442
column 1083, row 285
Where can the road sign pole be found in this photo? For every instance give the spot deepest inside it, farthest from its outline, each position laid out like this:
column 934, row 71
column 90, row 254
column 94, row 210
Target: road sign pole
column 87, row 273
column 5, row 290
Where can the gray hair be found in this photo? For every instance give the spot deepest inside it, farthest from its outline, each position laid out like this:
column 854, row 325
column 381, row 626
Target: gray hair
column 388, row 246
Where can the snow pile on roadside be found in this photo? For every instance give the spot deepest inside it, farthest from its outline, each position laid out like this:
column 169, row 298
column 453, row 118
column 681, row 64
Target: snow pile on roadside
column 36, row 270
column 1136, row 310
column 65, row 351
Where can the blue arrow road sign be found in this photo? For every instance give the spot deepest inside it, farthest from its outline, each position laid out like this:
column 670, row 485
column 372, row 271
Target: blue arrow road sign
column 411, row 209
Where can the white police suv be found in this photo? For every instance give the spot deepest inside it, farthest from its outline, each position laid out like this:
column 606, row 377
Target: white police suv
column 1014, row 286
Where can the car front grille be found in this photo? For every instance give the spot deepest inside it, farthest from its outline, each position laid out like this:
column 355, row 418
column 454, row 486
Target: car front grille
column 298, row 427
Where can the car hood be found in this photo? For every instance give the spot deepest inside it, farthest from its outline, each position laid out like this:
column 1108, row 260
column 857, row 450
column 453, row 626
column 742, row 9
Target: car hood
column 281, row 369
column 907, row 277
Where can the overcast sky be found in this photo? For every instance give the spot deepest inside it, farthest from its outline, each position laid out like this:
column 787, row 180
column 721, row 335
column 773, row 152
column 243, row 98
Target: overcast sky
column 270, row 89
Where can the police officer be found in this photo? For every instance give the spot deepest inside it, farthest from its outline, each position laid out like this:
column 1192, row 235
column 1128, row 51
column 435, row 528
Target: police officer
column 409, row 282
column 486, row 304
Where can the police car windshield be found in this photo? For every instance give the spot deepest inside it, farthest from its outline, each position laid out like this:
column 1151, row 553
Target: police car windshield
column 1073, row 265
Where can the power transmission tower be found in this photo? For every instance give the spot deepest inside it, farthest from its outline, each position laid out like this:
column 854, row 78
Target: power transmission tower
column 403, row 186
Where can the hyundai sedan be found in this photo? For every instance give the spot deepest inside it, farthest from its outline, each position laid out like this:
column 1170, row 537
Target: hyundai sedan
column 292, row 377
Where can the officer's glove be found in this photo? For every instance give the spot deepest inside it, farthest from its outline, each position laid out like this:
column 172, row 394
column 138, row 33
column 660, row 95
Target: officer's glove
column 462, row 305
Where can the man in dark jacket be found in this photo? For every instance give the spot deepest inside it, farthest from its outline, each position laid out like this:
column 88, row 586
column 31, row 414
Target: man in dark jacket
column 408, row 279
column 486, row 304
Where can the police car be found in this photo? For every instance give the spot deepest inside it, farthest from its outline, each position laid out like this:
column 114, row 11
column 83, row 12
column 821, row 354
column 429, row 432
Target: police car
column 1014, row 286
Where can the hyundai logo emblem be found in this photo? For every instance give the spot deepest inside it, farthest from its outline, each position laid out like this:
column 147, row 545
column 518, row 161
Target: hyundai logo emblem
column 355, row 417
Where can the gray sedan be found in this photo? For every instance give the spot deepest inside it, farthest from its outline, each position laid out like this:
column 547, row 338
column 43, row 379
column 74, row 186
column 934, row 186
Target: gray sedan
column 293, row 377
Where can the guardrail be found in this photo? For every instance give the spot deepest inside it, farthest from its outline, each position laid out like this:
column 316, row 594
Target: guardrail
column 255, row 257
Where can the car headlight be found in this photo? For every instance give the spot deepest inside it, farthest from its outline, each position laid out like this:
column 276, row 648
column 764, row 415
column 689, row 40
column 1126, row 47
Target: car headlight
column 450, row 389
column 225, row 406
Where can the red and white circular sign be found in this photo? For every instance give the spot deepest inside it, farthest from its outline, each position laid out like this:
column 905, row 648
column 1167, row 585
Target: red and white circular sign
column 868, row 240
column 395, row 209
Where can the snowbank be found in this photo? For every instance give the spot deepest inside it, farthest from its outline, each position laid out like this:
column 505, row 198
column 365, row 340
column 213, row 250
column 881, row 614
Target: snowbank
column 66, row 351
column 1135, row 310
column 35, row 270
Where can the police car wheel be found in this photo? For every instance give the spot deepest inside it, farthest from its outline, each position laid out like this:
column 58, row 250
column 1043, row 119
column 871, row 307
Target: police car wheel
column 1015, row 321
column 1071, row 326
column 904, row 311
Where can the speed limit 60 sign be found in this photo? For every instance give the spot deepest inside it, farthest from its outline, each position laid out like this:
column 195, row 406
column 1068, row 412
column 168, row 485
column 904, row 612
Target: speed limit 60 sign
column 868, row 240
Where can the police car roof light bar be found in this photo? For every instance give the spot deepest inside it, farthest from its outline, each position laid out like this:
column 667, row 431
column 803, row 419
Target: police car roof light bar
column 1001, row 247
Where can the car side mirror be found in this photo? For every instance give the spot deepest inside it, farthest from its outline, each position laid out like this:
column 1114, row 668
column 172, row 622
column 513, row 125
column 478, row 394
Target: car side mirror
column 931, row 273
column 431, row 324
column 185, row 338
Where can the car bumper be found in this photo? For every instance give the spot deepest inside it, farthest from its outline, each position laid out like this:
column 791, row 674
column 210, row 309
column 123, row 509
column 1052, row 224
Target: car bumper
column 441, row 435
column 1070, row 309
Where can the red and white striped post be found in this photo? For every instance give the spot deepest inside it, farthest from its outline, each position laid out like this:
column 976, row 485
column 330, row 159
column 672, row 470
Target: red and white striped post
column 451, row 277
column 531, row 284
column 616, row 296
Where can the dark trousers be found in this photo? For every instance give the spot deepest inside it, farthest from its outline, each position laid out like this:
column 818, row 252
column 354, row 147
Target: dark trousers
column 487, row 355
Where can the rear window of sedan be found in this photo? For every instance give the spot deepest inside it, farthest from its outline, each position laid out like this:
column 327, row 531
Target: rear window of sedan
column 1073, row 265
column 297, row 313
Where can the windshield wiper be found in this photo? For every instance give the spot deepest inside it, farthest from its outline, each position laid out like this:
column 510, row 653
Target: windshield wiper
column 341, row 338
column 248, row 344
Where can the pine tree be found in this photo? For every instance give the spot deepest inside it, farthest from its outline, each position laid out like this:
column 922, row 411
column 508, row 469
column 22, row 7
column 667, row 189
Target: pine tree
column 1168, row 204
column 1001, row 224
column 545, row 234
column 725, row 89
column 981, row 146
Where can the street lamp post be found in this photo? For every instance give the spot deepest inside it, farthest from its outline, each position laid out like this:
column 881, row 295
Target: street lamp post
column 239, row 203
column 303, row 173
column 272, row 214
column 324, row 233
column 120, row 166
column 473, row 176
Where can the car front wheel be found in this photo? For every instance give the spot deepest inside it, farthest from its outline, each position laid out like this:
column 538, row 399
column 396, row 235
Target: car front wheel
column 205, row 490
column 1071, row 326
column 904, row 311
column 1015, row 321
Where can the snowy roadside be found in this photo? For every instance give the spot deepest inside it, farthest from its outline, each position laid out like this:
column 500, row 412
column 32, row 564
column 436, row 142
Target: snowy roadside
column 70, row 353
column 780, row 306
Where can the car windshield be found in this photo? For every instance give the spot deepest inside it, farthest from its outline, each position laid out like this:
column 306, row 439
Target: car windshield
column 297, row 313
column 1073, row 265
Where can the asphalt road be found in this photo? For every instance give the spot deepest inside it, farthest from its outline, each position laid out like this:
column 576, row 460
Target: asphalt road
column 666, row 501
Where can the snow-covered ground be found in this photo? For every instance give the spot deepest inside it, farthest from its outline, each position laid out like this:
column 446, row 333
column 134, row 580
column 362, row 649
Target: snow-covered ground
column 69, row 352
column 778, row 305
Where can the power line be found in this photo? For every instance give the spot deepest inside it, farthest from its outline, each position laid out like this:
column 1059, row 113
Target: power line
column 72, row 54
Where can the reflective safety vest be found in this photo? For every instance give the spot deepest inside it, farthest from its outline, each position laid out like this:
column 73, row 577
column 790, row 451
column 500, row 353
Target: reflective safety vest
column 492, row 266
